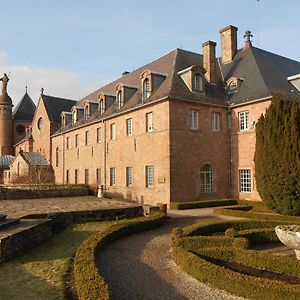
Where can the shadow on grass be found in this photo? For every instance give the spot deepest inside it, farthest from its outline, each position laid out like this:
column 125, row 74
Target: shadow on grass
column 38, row 274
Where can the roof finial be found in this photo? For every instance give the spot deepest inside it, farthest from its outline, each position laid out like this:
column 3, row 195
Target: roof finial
column 42, row 91
column 26, row 88
column 4, row 80
column 248, row 36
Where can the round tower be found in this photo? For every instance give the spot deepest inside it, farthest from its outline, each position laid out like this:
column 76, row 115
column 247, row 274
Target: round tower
column 6, row 125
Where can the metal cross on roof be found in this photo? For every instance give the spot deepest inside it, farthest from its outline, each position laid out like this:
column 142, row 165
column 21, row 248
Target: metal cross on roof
column 248, row 36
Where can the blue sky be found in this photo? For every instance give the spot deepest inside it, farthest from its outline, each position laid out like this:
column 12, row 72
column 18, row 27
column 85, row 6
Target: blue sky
column 73, row 47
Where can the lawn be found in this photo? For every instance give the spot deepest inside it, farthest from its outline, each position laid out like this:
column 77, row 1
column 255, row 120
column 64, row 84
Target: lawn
column 38, row 274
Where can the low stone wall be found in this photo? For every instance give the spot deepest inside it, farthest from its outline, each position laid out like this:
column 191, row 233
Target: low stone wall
column 26, row 238
column 26, row 193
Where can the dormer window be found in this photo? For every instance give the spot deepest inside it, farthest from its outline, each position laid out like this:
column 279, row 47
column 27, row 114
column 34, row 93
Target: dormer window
column 233, row 84
column 74, row 117
column 101, row 106
column 146, row 89
column 197, row 82
column 194, row 79
column 86, row 111
column 119, row 100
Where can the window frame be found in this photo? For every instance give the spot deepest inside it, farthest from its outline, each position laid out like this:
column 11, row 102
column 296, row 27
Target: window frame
column 129, row 176
column 129, row 127
column 194, row 119
column 99, row 135
column 197, row 82
column 149, row 122
column 113, row 134
column 245, row 180
column 86, row 176
column 76, row 176
column 146, row 89
column 149, row 176
column 87, row 137
column 244, row 120
column 112, row 176
column 98, row 176
column 216, row 122
column 206, row 183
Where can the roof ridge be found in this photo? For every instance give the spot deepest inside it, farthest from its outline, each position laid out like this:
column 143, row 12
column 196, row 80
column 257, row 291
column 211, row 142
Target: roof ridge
column 173, row 72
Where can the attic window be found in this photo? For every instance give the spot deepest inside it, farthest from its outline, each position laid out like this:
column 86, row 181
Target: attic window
column 197, row 82
column 74, row 116
column 86, row 111
column 232, row 87
column 101, row 106
column 119, row 99
column 146, row 89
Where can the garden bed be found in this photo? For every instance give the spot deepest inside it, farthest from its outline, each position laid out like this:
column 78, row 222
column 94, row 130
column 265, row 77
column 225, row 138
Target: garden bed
column 228, row 262
column 202, row 204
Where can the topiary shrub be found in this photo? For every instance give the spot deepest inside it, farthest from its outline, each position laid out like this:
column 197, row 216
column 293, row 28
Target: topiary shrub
column 277, row 157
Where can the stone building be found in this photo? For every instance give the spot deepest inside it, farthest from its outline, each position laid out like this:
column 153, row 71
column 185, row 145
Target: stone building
column 180, row 128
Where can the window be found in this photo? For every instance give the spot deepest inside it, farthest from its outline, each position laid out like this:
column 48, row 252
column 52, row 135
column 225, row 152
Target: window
column 77, row 154
column 76, row 176
column 99, row 135
column 101, row 106
column 74, row 117
column 129, row 127
column 149, row 176
column 112, row 176
column 194, row 119
column 67, row 142
column 86, row 112
column 149, row 122
column 245, row 180
column 68, row 176
column 87, row 137
column 215, row 121
column 244, row 120
column 113, row 131
column 20, row 129
column 119, row 99
column 76, row 140
column 206, row 179
column 98, row 175
column 232, row 87
column 86, row 176
column 40, row 123
column 129, row 178
column 56, row 156
column 146, row 89
column 197, row 82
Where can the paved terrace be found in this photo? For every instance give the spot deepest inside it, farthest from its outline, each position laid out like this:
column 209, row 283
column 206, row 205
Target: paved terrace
column 20, row 208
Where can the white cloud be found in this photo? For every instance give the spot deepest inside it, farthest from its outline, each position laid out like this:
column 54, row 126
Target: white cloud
column 56, row 82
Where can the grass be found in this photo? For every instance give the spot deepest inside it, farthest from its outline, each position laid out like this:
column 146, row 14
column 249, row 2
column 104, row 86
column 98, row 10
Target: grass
column 38, row 274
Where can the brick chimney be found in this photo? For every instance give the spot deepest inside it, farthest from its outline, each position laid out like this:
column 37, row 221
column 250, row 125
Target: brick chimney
column 228, row 43
column 209, row 61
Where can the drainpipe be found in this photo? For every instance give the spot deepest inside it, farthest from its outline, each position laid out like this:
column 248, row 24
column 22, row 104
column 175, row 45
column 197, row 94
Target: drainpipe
column 104, row 158
column 229, row 149
column 63, row 159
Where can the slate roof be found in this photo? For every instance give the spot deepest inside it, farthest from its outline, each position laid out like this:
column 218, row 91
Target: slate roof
column 262, row 74
column 5, row 161
column 55, row 106
column 25, row 109
column 34, row 158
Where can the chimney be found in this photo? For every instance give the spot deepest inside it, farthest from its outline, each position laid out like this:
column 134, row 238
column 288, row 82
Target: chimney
column 209, row 61
column 228, row 43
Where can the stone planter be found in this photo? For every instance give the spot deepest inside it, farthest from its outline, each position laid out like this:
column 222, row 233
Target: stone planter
column 289, row 235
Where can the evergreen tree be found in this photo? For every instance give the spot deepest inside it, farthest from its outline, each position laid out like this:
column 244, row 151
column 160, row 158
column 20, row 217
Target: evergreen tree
column 277, row 157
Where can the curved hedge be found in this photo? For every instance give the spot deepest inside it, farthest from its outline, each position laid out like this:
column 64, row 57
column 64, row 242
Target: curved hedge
column 88, row 281
column 202, row 204
column 201, row 254
column 244, row 211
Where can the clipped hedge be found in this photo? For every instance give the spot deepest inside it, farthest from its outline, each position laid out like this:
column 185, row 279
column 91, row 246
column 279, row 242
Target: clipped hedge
column 198, row 252
column 90, row 285
column 244, row 211
column 202, row 204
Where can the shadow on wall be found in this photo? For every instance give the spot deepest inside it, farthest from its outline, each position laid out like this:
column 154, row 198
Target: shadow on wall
column 130, row 195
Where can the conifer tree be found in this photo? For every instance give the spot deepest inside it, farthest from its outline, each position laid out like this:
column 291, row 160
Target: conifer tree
column 277, row 157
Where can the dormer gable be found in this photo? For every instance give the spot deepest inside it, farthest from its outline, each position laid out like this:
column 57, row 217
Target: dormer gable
column 295, row 81
column 123, row 94
column 105, row 101
column 89, row 108
column 150, row 81
column 194, row 78
column 66, row 118
column 233, row 84
column 77, row 113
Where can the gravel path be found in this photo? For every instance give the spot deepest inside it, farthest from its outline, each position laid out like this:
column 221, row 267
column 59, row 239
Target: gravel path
column 140, row 266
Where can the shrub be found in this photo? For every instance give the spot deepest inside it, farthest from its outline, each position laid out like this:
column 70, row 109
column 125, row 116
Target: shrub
column 200, row 256
column 202, row 204
column 88, row 281
column 277, row 157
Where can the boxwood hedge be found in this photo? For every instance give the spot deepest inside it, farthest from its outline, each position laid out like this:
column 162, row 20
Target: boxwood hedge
column 90, row 285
